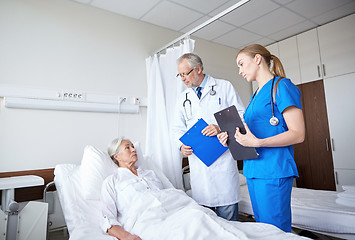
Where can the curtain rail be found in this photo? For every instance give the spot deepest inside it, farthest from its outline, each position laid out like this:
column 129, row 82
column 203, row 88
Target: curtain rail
column 211, row 20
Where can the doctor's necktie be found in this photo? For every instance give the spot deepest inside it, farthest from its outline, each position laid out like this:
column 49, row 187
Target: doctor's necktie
column 198, row 92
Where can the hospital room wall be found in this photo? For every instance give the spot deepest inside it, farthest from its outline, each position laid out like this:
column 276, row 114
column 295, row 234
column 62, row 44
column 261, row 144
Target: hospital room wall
column 63, row 45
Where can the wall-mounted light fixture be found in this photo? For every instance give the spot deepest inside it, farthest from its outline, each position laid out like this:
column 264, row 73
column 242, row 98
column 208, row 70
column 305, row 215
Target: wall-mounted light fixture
column 27, row 103
column 29, row 98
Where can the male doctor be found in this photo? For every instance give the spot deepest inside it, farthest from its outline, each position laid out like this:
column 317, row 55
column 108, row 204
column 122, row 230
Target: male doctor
column 216, row 186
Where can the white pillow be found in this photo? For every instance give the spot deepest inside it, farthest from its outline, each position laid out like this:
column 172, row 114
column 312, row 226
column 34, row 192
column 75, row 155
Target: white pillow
column 95, row 167
column 140, row 162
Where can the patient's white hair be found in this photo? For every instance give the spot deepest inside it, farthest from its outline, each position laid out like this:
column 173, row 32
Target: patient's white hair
column 113, row 147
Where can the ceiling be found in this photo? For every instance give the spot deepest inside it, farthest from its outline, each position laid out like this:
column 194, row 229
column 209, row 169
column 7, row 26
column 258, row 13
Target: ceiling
column 257, row 21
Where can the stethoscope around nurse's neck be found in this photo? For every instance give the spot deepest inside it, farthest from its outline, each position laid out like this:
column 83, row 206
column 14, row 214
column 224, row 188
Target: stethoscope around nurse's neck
column 274, row 121
column 187, row 100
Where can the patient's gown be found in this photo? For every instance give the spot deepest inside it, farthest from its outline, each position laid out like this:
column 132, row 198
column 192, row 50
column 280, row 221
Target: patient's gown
column 141, row 206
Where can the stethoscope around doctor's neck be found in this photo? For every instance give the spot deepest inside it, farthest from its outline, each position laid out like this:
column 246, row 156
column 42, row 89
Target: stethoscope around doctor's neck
column 274, row 121
column 187, row 100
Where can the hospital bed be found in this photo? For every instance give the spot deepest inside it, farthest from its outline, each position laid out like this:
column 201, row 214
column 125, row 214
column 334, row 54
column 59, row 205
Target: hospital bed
column 79, row 186
column 315, row 211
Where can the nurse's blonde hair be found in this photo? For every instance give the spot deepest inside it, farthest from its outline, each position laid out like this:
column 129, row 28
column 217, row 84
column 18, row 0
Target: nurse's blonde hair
column 277, row 68
column 253, row 49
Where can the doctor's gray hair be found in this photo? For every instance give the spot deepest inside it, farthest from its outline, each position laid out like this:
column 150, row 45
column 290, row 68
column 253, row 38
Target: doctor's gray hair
column 113, row 147
column 193, row 60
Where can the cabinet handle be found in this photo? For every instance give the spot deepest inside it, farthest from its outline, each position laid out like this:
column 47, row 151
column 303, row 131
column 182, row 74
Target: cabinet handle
column 323, row 70
column 326, row 144
column 318, row 70
column 336, row 178
column 333, row 146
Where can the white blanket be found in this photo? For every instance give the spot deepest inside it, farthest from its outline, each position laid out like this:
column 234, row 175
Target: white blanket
column 175, row 216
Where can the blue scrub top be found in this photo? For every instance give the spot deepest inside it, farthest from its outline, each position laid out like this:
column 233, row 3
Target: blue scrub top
column 273, row 162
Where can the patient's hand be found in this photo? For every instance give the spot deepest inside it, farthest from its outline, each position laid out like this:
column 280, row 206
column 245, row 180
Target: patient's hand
column 223, row 137
column 121, row 234
column 132, row 237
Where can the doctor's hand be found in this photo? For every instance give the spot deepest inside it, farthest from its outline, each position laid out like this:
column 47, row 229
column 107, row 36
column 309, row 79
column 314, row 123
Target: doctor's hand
column 248, row 139
column 186, row 150
column 211, row 130
column 223, row 137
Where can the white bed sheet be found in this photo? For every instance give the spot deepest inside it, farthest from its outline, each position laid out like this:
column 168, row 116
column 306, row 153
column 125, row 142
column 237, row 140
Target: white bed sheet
column 314, row 210
column 165, row 221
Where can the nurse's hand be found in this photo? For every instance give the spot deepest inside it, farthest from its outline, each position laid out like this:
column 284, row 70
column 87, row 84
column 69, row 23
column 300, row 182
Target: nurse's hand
column 248, row 139
column 211, row 130
column 223, row 137
column 186, row 150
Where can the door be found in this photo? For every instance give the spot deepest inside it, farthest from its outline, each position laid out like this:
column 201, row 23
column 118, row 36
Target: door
column 314, row 156
column 339, row 92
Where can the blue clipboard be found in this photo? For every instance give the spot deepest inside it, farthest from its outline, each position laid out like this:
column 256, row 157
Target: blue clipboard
column 207, row 149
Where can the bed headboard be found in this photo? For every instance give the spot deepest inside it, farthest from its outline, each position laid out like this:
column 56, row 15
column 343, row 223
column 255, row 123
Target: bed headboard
column 30, row 193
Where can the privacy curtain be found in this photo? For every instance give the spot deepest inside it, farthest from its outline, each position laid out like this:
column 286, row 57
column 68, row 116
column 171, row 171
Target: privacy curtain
column 163, row 89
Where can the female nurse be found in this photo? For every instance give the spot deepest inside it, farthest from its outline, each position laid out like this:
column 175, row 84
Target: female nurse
column 273, row 122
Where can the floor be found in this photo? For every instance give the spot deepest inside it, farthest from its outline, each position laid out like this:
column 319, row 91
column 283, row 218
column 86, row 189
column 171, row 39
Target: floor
column 59, row 235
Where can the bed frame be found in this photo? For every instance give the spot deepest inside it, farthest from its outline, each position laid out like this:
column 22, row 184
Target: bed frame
column 246, row 209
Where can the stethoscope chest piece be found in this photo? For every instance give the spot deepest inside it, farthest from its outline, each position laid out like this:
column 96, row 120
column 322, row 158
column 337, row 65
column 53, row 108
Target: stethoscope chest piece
column 212, row 92
column 274, row 121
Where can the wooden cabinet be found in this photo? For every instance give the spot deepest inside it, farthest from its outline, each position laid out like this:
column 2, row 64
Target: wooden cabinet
column 309, row 56
column 289, row 57
column 337, row 46
column 314, row 156
column 339, row 92
column 319, row 53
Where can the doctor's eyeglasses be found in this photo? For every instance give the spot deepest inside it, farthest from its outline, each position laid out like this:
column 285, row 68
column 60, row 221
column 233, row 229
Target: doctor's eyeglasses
column 184, row 74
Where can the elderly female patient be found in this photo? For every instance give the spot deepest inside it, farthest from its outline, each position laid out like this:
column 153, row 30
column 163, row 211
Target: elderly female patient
column 136, row 201
column 125, row 185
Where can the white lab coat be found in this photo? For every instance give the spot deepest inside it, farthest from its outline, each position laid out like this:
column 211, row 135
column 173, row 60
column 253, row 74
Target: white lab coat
column 218, row 184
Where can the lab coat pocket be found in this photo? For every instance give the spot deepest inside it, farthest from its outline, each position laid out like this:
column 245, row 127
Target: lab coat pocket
column 214, row 104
